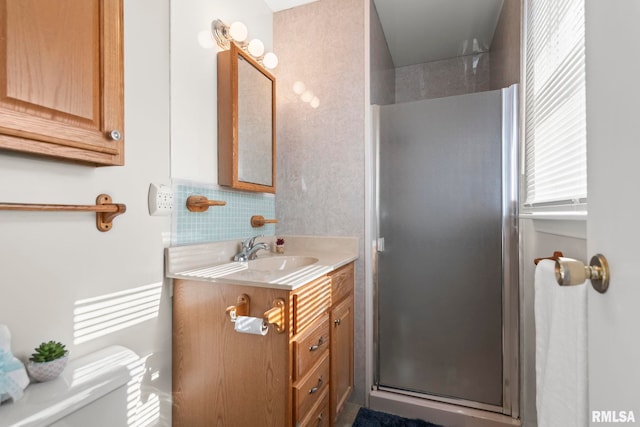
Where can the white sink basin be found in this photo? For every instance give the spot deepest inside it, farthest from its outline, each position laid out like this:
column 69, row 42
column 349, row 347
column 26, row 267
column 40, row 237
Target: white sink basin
column 281, row 263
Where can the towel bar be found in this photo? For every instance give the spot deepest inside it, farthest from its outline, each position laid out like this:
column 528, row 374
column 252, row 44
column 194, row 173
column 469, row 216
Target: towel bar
column 105, row 210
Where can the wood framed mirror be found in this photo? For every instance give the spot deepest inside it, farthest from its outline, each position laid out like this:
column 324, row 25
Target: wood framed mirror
column 246, row 123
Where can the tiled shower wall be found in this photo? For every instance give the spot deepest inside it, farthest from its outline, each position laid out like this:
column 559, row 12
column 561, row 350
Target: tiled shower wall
column 382, row 70
column 496, row 69
column 505, row 48
column 448, row 77
column 229, row 222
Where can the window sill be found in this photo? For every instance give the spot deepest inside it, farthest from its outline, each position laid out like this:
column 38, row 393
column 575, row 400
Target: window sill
column 566, row 224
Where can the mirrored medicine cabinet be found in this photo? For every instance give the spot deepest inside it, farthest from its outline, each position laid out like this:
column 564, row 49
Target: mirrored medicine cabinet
column 246, row 123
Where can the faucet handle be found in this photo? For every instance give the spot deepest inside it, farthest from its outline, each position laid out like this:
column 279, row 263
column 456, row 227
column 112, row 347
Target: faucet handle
column 248, row 243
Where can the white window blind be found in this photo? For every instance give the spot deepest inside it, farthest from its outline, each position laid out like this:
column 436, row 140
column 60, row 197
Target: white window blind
column 555, row 112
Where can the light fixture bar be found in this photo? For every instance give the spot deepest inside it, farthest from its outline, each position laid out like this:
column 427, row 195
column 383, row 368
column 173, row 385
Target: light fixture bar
column 237, row 32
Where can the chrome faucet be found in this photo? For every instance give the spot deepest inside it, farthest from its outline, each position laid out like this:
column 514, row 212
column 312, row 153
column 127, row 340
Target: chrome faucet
column 249, row 249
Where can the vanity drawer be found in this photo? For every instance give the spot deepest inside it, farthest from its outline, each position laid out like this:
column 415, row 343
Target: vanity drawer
column 309, row 302
column 342, row 282
column 308, row 390
column 311, row 345
column 319, row 414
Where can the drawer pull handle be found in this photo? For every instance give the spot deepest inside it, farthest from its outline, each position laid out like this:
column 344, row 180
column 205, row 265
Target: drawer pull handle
column 320, row 419
column 316, row 346
column 316, row 388
column 337, row 322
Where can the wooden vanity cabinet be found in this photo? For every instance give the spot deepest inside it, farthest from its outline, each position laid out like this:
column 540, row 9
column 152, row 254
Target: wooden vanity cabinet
column 222, row 377
column 61, row 79
column 225, row 378
column 341, row 317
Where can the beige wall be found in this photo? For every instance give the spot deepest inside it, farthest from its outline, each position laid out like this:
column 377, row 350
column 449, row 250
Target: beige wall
column 383, row 73
column 505, row 48
column 447, row 77
column 321, row 150
column 496, row 69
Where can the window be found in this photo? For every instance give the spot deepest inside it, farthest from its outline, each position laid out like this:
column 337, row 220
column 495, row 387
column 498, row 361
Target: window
column 555, row 152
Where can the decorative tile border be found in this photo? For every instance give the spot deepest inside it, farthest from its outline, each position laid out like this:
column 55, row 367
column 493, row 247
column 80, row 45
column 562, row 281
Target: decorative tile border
column 218, row 223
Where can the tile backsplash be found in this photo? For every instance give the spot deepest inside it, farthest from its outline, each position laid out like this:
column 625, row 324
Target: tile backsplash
column 218, row 222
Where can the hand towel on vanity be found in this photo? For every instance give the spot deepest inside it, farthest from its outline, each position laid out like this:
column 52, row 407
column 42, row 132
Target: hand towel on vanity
column 561, row 350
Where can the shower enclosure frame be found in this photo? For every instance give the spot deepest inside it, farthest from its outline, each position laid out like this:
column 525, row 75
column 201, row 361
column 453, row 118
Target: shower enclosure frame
column 510, row 271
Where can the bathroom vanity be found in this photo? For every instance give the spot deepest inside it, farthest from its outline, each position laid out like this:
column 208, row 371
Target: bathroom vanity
column 299, row 376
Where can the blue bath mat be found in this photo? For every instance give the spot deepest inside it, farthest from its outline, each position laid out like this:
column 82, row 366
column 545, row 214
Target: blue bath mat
column 368, row 418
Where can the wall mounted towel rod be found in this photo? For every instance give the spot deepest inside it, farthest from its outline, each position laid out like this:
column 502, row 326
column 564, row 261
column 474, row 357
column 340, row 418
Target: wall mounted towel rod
column 104, row 209
column 201, row 203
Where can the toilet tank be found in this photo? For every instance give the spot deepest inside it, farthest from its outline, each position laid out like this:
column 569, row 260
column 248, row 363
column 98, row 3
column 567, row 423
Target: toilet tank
column 95, row 390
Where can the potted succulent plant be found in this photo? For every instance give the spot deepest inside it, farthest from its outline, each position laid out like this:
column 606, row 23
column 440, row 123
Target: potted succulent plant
column 48, row 361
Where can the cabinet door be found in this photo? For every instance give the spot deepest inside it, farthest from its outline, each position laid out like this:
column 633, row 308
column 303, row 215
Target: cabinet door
column 341, row 354
column 61, row 79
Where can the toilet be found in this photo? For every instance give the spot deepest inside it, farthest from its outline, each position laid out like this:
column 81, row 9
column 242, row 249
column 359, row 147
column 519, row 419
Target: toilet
column 94, row 390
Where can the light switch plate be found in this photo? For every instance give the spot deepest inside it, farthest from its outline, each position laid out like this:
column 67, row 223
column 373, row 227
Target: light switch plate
column 160, row 199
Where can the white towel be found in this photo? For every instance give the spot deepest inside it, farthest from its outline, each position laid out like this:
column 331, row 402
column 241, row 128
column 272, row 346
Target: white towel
column 561, row 350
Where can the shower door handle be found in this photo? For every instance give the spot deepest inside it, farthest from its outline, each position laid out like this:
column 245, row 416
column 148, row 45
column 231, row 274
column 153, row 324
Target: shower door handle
column 380, row 244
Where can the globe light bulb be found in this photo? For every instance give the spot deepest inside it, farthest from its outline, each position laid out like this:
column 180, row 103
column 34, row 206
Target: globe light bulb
column 256, row 48
column 270, row 60
column 238, row 31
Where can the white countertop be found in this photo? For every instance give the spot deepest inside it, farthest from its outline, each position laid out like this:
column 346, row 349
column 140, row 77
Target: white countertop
column 211, row 262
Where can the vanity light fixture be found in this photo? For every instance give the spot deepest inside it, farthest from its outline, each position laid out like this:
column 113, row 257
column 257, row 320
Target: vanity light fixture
column 224, row 33
column 237, row 32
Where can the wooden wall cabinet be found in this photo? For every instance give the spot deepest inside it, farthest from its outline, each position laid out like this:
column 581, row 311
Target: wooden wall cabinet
column 225, row 378
column 61, row 79
column 246, row 123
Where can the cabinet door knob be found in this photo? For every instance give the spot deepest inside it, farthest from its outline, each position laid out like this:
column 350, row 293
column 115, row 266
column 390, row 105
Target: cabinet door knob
column 337, row 322
column 115, row 135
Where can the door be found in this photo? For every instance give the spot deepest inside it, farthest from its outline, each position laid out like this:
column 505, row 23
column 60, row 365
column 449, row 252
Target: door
column 341, row 355
column 440, row 292
column 613, row 150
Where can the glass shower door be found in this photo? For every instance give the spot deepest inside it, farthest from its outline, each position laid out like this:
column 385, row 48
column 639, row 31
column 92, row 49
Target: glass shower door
column 440, row 291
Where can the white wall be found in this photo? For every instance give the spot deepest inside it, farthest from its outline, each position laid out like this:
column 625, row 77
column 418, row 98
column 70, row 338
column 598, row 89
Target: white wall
column 49, row 262
column 194, row 131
